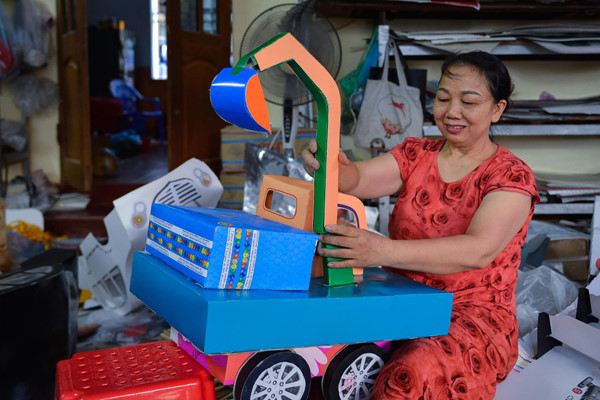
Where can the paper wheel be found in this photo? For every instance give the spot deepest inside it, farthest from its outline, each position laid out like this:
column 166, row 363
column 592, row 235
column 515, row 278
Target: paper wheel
column 352, row 373
column 273, row 376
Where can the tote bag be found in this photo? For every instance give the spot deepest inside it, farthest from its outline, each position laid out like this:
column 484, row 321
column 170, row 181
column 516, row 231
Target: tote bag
column 390, row 112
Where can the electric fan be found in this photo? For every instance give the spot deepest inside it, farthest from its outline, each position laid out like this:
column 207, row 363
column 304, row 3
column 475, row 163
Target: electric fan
column 280, row 85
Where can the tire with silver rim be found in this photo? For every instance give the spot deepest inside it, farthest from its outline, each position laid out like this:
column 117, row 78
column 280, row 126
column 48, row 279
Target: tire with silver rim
column 351, row 375
column 276, row 376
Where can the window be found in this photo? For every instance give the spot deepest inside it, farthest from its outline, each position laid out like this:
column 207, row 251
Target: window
column 209, row 16
column 158, row 23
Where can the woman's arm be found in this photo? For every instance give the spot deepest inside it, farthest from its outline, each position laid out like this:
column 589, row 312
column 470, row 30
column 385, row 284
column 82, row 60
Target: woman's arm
column 497, row 220
column 370, row 179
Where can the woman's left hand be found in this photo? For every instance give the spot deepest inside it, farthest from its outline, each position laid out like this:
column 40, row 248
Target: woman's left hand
column 360, row 248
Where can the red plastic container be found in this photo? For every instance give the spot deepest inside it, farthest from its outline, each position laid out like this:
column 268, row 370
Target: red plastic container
column 148, row 371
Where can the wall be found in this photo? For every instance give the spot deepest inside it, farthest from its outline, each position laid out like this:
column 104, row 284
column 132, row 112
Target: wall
column 564, row 79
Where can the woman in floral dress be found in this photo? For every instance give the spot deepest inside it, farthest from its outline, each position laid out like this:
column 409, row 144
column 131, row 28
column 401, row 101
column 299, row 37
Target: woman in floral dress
column 461, row 218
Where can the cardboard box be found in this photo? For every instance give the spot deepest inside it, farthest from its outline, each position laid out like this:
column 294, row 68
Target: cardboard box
column 234, row 139
column 574, row 254
column 233, row 182
column 568, row 246
column 229, row 249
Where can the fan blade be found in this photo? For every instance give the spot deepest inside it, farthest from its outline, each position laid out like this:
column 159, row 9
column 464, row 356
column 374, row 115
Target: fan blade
column 239, row 99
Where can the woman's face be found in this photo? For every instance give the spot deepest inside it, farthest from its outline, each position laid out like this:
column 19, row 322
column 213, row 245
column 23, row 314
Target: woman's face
column 464, row 107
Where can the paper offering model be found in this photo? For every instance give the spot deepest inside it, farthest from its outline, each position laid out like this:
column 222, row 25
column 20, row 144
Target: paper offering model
column 269, row 342
column 266, row 343
column 237, row 97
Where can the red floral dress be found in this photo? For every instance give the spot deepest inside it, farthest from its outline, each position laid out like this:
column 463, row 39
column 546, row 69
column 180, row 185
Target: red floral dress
column 481, row 346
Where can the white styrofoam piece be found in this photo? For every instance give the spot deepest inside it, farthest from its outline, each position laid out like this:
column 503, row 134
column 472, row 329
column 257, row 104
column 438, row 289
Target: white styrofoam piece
column 576, row 334
column 559, row 374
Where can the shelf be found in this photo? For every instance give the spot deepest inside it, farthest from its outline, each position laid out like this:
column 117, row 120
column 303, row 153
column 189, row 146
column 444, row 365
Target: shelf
column 573, row 209
column 389, row 9
column 510, row 50
column 532, row 130
column 564, row 208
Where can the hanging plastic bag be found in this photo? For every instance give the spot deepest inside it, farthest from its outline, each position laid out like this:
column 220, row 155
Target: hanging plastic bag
column 13, row 134
column 34, row 95
column 353, row 84
column 357, row 79
column 8, row 61
column 32, row 25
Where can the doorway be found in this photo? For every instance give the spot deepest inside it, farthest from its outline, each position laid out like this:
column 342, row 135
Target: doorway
column 196, row 52
column 127, row 147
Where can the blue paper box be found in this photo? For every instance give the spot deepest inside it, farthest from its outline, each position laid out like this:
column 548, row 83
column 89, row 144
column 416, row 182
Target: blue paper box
column 231, row 321
column 229, row 249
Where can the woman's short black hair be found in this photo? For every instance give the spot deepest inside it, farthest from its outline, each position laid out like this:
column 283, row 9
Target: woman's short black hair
column 490, row 66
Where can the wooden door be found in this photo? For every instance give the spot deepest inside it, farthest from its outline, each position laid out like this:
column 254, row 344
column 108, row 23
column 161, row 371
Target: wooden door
column 199, row 47
column 74, row 114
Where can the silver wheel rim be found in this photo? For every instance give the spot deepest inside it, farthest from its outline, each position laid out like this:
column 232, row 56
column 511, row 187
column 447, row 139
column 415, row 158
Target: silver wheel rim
column 358, row 379
column 282, row 381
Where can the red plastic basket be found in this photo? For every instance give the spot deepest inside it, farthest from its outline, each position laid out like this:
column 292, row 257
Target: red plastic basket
column 148, row 371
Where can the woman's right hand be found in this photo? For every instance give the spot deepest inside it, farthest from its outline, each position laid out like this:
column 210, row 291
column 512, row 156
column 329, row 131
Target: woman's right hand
column 309, row 161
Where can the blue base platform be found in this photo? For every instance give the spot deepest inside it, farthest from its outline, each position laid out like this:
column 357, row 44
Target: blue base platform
column 384, row 306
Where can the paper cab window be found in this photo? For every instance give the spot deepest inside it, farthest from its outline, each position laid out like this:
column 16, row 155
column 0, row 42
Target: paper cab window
column 281, row 203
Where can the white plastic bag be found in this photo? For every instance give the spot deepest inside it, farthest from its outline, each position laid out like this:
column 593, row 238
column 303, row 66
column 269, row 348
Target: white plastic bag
column 390, row 112
column 32, row 25
column 541, row 290
column 8, row 61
